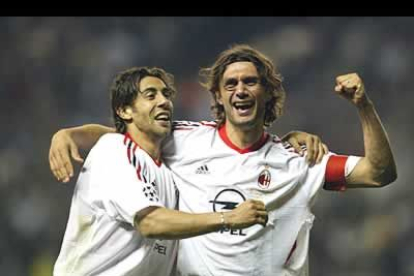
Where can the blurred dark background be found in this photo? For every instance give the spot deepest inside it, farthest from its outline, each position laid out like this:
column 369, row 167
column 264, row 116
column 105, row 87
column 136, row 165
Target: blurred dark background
column 55, row 72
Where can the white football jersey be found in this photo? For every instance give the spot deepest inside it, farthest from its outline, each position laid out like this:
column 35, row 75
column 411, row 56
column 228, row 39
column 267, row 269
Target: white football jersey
column 117, row 180
column 214, row 175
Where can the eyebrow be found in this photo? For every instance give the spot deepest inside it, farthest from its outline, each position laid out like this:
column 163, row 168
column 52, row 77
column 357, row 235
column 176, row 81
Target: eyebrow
column 251, row 78
column 165, row 89
column 149, row 89
column 246, row 78
column 229, row 80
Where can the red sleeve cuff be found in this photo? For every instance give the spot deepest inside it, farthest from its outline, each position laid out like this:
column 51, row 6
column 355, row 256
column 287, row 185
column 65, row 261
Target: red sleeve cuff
column 335, row 173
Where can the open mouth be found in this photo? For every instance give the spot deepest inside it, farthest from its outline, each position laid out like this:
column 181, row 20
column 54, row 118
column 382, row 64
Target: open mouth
column 243, row 108
column 163, row 118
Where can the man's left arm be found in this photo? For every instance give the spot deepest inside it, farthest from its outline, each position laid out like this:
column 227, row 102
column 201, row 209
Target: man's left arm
column 377, row 168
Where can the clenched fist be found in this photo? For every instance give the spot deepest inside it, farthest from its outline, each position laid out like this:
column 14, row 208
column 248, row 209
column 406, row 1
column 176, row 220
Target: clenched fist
column 246, row 214
column 351, row 87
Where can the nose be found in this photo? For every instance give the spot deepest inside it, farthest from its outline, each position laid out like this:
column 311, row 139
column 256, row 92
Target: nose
column 240, row 90
column 164, row 102
column 242, row 94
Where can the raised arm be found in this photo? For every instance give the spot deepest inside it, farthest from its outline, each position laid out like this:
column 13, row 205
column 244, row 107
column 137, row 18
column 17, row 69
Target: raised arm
column 377, row 168
column 162, row 223
column 67, row 142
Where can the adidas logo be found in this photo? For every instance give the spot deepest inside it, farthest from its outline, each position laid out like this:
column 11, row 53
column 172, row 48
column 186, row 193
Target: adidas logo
column 202, row 170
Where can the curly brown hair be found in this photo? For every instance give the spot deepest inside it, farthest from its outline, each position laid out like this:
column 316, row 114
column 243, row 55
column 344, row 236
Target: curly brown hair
column 125, row 88
column 270, row 78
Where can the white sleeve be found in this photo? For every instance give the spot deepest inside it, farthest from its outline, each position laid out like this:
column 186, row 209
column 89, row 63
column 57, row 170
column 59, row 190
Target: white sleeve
column 329, row 174
column 123, row 194
column 351, row 162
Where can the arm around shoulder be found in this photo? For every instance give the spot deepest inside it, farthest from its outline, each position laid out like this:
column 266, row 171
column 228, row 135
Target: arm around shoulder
column 66, row 143
column 86, row 136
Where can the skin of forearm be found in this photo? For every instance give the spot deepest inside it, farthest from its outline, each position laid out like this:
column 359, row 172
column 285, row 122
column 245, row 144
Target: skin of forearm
column 162, row 223
column 377, row 147
column 87, row 135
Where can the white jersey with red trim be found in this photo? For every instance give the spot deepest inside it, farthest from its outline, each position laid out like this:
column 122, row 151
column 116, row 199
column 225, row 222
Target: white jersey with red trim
column 117, row 180
column 213, row 175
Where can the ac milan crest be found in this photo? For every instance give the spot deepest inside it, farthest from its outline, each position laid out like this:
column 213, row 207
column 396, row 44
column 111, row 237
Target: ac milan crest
column 264, row 178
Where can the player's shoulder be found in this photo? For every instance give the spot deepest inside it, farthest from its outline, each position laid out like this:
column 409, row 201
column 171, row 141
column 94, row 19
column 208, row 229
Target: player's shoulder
column 119, row 149
column 282, row 150
column 110, row 140
column 276, row 143
column 107, row 153
column 112, row 145
column 187, row 129
column 179, row 126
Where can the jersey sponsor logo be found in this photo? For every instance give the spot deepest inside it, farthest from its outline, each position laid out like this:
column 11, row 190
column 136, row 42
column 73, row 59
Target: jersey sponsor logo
column 202, row 170
column 264, row 178
column 160, row 249
column 228, row 199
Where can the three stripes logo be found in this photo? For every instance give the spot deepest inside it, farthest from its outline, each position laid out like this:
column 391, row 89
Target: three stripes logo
column 202, row 170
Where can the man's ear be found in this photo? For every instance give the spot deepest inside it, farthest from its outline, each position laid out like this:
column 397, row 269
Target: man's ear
column 125, row 112
column 218, row 97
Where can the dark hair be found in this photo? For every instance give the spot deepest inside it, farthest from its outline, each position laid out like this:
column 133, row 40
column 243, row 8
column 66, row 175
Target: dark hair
column 125, row 88
column 270, row 78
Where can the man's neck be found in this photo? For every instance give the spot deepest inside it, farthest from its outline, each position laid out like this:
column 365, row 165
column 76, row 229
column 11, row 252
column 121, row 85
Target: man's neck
column 244, row 137
column 148, row 143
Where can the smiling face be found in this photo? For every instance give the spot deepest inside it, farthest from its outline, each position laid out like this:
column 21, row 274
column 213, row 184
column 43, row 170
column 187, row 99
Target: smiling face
column 242, row 95
column 151, row 112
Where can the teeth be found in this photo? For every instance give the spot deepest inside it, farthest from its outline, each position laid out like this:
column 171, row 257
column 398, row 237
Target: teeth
column 163, row 117
column 243, row 105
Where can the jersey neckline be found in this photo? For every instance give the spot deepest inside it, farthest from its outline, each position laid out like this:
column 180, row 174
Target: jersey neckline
column 128, row 136
column 256, row 146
